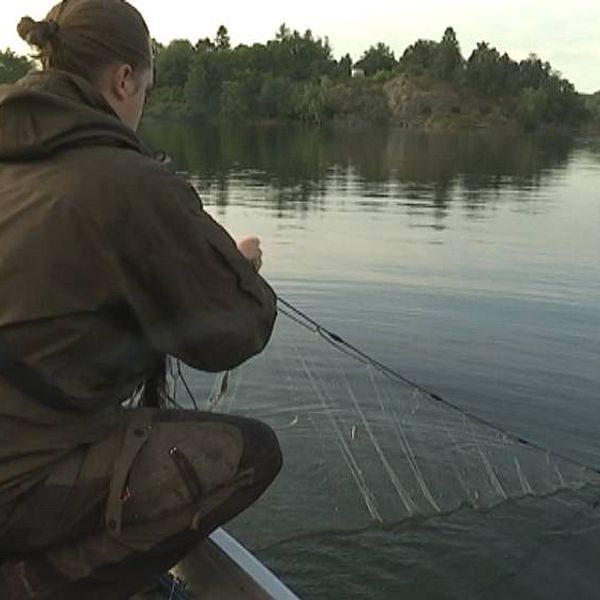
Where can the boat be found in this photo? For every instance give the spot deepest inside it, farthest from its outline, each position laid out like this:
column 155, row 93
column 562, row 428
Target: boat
column 220, row 568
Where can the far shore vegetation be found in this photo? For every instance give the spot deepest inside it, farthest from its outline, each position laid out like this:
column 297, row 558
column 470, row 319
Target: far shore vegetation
column 295, row 77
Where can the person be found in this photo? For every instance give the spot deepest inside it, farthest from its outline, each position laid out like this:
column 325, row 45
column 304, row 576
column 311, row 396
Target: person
column 109, row 264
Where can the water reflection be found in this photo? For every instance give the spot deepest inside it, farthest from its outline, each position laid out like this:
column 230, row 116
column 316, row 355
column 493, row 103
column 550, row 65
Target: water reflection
column 294, row 168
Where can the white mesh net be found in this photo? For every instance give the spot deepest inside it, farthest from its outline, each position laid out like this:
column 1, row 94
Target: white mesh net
column 361, row 446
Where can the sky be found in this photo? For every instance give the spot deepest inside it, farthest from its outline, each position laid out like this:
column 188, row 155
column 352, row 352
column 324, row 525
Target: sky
column 564, row 33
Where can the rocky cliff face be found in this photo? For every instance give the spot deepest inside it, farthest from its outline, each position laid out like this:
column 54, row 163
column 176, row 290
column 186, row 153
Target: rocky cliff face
column 424, row 102
column 417, row 101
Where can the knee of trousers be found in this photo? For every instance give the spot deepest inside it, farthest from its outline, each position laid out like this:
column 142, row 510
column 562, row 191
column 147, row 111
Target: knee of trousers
column 180, row 465
column 261, row 452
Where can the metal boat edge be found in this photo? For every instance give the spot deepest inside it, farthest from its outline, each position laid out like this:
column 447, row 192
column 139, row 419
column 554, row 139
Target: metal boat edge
column 222, row 569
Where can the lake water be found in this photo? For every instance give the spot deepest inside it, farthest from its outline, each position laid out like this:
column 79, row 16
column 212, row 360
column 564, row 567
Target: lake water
column 469, row 262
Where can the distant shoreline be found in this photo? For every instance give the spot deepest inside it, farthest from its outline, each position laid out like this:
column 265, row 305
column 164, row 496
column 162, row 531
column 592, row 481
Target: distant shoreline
column 295, row 78
column 412, row 103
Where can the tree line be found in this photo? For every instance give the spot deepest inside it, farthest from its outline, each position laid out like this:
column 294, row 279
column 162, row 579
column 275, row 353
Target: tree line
column 295, row 76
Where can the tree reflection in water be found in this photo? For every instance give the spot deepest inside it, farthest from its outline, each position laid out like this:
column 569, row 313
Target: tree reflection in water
column 291, row 168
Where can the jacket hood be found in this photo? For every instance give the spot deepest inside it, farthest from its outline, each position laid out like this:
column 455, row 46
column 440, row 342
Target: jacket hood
column 50, row 110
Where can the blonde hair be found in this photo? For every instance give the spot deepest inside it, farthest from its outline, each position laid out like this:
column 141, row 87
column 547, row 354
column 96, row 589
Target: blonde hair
column 85, row 36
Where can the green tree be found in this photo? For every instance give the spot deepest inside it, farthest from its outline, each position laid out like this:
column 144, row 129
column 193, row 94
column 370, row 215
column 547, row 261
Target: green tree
column 482, row 70
column 208, row 73
column 531, row 108
column 448, row 61
column 205, row 45
column 310, row 101
column 563, row 104
column 508, row 75
column 301, row 57
column 203, row 88
column 274, row 97
column 173, row 64
column 345, row 66
column 239, row 96
column 157, row 47
column 533, row 73
column 222, row 41
column 556, row 103
column 233, row 100
column 419, row 57
column 13, row 66
column 166, row 102
column 283, row 33
column 377, row 58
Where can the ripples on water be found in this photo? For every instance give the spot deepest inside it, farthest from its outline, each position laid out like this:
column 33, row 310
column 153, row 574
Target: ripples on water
column 470, row 263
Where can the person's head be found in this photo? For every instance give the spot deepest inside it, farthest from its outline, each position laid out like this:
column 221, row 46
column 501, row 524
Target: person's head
column 106, row 42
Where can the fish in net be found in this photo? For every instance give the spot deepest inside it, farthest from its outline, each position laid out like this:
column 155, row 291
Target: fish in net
column 363, row 445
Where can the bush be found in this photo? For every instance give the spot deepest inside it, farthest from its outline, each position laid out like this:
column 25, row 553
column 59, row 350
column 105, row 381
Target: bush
column 167, row 101
column 359, row 99
column 13, row 67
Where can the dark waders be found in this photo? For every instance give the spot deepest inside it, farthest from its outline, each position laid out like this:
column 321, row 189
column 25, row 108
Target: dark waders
column 111, row 517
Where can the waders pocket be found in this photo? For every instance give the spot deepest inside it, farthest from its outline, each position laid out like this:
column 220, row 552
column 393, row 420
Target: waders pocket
column 187, row 472
column 180, row 468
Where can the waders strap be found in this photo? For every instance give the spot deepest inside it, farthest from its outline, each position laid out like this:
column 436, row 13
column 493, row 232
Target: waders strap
column 136, row 434
column 30, row 382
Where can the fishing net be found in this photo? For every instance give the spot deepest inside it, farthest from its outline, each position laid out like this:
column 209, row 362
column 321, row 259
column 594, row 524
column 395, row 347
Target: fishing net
column 363, row 445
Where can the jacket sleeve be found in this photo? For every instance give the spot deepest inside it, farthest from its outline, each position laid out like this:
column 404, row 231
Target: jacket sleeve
column 194, row 294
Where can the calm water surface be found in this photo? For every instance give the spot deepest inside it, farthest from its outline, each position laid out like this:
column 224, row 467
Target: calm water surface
column 469, row 262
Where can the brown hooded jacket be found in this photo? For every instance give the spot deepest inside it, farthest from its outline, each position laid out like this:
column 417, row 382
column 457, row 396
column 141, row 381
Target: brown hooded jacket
column 107, row 261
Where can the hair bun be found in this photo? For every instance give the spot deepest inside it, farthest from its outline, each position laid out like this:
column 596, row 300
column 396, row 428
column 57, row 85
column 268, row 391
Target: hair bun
column 37, row 33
